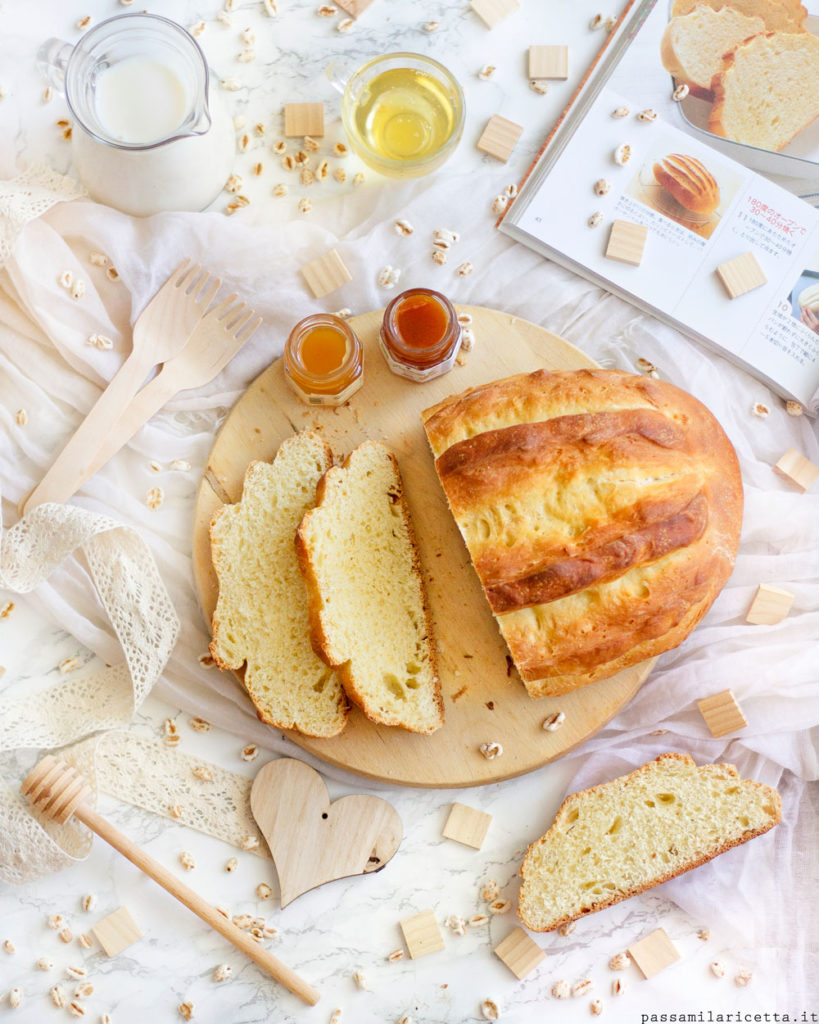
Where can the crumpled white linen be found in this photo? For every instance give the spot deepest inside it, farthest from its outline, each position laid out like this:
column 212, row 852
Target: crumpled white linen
column 47, row 368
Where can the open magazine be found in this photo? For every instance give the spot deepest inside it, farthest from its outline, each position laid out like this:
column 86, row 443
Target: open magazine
column 701, row 207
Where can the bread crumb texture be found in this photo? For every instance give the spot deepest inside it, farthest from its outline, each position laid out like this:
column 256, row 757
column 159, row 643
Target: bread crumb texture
column 368, row 609
column 768, row 90
column 261, row 618
column 620, row 838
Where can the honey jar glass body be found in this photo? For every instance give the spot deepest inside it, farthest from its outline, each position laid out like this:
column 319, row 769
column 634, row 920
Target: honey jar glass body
column 323, row 360
column 420, row 334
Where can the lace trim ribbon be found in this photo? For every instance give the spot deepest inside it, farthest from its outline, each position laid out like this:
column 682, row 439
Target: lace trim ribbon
column 29, row 196
column 137, row 604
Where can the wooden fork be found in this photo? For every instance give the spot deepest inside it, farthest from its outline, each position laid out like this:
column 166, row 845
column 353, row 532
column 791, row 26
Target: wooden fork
column 159, row 333
column 59, row 791
column 214, row 342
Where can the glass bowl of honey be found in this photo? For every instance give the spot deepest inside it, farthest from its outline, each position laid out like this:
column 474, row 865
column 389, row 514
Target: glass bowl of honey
column 403, row 113
column 323, row 360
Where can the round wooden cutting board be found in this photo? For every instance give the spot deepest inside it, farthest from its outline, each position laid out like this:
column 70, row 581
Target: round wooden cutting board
column 485, row 701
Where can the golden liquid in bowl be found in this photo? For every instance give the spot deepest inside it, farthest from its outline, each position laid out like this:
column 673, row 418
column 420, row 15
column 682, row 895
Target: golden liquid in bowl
column 404, row 115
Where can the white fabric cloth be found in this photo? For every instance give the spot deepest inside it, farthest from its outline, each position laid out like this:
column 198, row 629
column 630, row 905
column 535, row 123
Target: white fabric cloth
column 48, row 369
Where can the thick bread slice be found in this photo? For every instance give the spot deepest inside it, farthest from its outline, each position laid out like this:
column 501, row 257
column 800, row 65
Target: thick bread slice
column 368, row 610
column 768, row 90
column 261, row 619
column 693, row 45
column 618, row 839
column 778, row 15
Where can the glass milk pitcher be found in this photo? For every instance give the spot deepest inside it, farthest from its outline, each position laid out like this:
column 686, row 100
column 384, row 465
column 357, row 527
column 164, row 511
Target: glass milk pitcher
column 150, row 131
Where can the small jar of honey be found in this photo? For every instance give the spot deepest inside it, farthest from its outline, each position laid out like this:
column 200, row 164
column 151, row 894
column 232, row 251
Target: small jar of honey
column 420, row 334
column 323, row 360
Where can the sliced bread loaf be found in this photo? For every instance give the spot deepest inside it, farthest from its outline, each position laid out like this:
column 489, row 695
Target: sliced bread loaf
column 261, row 618
column 768, row 90
column 368, row 609
column 693, row 45
column 625, row 836
column 778, row 15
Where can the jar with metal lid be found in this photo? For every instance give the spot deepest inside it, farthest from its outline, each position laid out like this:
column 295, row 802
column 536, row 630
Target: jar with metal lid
column 420, row 334
column 324, row 360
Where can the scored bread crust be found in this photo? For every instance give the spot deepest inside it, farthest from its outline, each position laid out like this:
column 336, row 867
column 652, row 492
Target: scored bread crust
column 765, row 137
column 321, row 636
column 689, row 181
column 719, row 770
column 601, row 511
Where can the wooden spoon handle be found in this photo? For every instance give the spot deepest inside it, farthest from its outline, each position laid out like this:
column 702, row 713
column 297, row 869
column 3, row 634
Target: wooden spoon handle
column 71, row 467
column 193, row 901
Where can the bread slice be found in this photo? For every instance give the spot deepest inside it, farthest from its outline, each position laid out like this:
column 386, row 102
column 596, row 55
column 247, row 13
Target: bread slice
column 778, row 15
column 768, row 90
column 261, row 618
column 368, row 609
column 693, row 45
column 625, row 836
column 689, row 181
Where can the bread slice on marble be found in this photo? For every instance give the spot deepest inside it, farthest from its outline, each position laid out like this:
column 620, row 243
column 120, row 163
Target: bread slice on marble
column 620, row 838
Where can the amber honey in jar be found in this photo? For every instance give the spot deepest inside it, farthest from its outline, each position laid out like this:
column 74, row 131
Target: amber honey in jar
column 323, row 360
column 420, row 334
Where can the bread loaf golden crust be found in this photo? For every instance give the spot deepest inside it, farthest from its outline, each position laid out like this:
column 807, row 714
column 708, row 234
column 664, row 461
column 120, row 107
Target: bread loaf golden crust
column 688, row 181
column 602, row 512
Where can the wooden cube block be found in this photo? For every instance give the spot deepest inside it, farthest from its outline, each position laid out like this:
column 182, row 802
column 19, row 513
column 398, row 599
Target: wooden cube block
column 653, row 953
column 467, row 825
column 353, row 7
column 794, row 467
column 117, row 931
column 499, row 137
column 769, row 606
column 304, row 119
column 326, row 273
column 422, row 934
column 740, row 275
column 722, row 714
column 548, row 61
column 493, row 11
column 520, row 953
column 627, row 242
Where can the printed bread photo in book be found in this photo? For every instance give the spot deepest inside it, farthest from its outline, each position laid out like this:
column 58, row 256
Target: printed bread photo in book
column 367, row 603
column 688, row 181
column 693, row 44
column 620, row 838
column 782, row 15
column 752, row 60
column 767, row 90
column 261, row 621
column 601, row 510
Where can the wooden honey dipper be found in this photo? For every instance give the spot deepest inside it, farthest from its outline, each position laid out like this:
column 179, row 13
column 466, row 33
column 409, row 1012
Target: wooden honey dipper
column 59, row 791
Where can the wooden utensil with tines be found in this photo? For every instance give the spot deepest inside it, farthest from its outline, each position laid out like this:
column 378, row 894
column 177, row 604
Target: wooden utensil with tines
column 160, row 332
column 58, row 791
column 212, row 344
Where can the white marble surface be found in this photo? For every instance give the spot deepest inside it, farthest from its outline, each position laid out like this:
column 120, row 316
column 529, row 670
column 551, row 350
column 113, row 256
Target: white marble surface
column 345, row 926
column 350, row 925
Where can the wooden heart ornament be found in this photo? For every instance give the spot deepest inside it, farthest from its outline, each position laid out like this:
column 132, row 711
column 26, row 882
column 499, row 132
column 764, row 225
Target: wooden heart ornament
column 312, row 840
